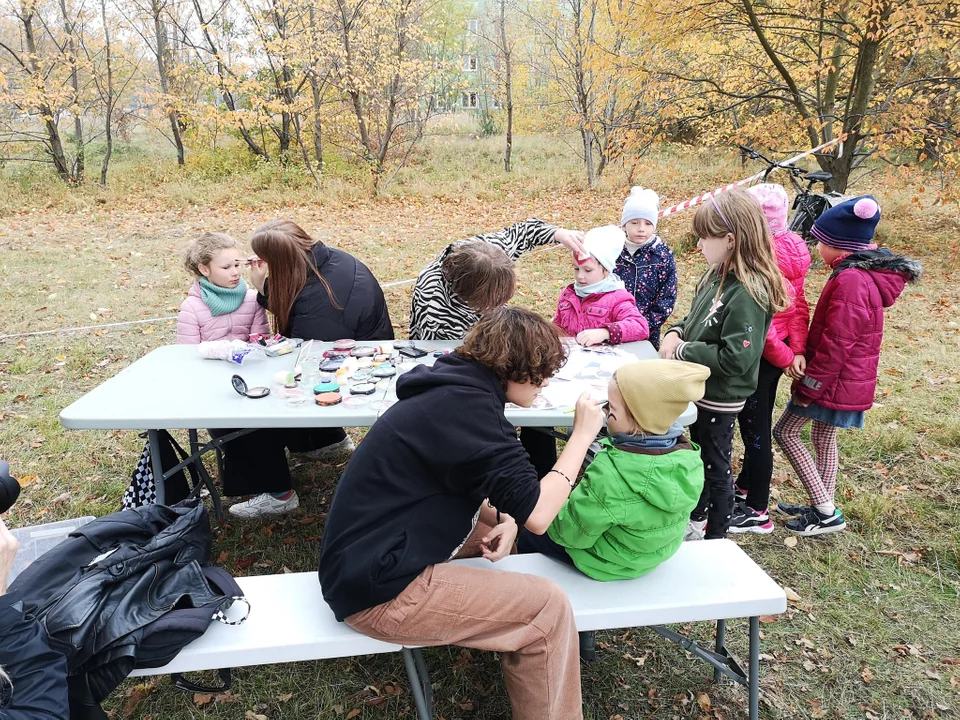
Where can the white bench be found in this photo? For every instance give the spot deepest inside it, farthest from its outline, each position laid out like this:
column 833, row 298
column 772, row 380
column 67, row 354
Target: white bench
column 710, row 580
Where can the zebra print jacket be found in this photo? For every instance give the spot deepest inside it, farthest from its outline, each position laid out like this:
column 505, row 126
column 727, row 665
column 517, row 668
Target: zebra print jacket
column 436, row 313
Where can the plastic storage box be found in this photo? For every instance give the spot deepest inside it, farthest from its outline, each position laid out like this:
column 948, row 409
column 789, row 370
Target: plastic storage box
column 38, row 539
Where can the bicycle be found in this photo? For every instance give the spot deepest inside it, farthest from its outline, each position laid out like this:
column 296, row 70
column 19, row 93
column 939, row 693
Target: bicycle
column 807, row 205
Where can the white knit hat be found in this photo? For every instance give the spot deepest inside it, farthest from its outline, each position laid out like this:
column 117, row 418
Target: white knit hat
column 641, row 203
column 605, row 244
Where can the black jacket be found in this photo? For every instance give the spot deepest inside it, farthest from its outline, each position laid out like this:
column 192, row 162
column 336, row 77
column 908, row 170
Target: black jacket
column 313, row 316
column 410, row 495
column 96, row 591
column 39, row 674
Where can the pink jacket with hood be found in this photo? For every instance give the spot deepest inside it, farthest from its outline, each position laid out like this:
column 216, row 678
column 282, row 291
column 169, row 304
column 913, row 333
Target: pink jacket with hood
column 787, row 335
column 614, row 311
column 196, row 324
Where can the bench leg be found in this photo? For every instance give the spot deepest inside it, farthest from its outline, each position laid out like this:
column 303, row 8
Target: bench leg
column 754, row 673
column 419, row 682
column 720, row 646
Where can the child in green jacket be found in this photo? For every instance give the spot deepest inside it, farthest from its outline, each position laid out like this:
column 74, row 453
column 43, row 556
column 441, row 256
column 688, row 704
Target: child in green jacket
column 629, row 512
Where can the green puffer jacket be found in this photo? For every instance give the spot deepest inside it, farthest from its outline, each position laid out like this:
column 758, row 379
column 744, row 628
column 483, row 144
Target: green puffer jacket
column 630, row 510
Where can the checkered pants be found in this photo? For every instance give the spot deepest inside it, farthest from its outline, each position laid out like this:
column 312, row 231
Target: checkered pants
column 819, row 476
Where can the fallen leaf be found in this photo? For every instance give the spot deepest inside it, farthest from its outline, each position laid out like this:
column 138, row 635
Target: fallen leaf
column 201, row 699
column 791, row 595
column 816, row 710
column 867, row 675
column 703, row 700
column 932, row 674
column 251, row 715
column 25, row 480
column 790, row 542
column 136, row 696
column 353, row 713
column 286, row 697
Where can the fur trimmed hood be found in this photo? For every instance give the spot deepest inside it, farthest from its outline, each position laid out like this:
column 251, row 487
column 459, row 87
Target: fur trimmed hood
column 889, row 272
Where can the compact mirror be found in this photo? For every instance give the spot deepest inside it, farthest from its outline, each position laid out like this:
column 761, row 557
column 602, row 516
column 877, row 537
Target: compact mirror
column 240, row 385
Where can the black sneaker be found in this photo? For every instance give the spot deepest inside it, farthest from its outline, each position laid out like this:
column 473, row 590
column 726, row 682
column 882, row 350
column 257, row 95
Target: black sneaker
column 793, row 510
column 817, row 523
column 588, row 646
column 746, row 519
column 739, row 495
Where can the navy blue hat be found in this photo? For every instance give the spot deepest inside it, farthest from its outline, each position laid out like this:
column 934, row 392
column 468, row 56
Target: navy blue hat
column 849, row 225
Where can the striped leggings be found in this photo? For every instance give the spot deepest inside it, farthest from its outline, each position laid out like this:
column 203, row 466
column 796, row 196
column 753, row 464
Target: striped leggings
column 819, row 477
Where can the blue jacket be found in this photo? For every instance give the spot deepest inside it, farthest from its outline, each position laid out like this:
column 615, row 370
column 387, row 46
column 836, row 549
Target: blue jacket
column 650, row 275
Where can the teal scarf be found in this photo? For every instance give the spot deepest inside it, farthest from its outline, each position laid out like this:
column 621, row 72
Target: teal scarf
column 221, row 300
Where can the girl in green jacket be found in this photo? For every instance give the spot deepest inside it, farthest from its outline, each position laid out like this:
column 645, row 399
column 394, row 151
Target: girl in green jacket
column 725, row 330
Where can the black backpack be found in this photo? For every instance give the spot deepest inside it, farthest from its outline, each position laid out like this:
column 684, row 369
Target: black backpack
column 143, row 486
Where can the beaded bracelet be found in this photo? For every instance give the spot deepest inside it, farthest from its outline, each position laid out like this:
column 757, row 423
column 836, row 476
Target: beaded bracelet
column 562, row 474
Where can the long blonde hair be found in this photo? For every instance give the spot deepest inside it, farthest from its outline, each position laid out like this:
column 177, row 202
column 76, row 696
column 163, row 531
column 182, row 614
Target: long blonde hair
column 752, row 261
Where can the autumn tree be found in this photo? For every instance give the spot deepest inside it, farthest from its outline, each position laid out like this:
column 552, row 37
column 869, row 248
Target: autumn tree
column 808, row 71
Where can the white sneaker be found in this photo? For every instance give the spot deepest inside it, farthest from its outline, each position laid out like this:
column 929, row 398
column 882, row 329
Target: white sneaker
column 263, row 505
column 695, row 530
column 328, row 452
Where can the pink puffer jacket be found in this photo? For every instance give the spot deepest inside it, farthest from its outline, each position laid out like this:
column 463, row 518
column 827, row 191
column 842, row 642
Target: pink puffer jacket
column 196, row 324
column 793, row 259
column 615, row 311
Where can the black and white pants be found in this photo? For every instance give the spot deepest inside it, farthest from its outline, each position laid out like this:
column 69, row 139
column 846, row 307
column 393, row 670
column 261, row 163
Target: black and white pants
column 713, row 432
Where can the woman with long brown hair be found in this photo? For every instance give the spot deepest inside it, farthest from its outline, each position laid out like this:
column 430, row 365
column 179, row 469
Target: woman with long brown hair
column 314, row 292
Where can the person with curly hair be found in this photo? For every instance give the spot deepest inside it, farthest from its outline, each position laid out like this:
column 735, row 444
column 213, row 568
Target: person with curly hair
column 443, row 475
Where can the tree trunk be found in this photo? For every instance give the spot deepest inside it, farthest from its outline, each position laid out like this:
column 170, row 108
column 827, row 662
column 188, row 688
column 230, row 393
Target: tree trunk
column 507, row 84
column 108, row 123
column 587, row 137
column 317, row 122
column 69, row 28
column 54, row 143
column 162, row 70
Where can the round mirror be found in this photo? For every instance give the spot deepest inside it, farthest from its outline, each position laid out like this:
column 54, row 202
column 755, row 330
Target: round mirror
column 240, row 385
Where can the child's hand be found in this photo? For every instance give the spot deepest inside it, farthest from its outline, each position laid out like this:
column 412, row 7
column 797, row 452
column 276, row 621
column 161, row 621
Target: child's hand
column 799, row 401
column 593, row 337
column 588, row 417
column 668, row 346
column 572, row 240
column 797, row 368
column 258, row 273
column 8, row 550
column 498, row 543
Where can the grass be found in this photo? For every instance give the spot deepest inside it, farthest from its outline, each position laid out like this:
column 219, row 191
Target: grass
column 875, row 632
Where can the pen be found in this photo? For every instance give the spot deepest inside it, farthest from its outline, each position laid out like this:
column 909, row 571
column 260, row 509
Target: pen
column 573, row 409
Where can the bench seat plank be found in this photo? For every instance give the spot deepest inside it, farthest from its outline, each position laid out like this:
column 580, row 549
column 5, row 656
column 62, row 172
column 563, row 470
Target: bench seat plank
column 290, row 622
column 707, row 580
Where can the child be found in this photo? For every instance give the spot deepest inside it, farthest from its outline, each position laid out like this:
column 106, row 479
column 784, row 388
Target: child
column 596, row 308
column 782, row 352
column 646, row 264
column 629, row 512
column 218, row 305
column 843, row 351
column 725, row 330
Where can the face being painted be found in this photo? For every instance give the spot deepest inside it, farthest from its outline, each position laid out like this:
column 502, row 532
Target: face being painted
column 619, row 419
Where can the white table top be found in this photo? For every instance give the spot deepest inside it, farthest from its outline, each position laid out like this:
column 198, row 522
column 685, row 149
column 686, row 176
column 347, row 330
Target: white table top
column 289, row 620
column 172, row 387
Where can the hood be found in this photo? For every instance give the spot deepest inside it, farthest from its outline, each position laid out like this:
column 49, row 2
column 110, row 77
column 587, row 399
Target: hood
column 671, row 490
column 775, row 203
column 194, row 290
column 450, row 371
column 889, row 272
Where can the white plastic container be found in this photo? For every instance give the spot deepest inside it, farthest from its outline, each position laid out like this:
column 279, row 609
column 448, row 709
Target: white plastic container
column 38, row 539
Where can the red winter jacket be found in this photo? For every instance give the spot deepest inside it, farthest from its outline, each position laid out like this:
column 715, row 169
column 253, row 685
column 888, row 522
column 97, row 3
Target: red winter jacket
column 793, row 259
column 615, row 311
column 843, row 347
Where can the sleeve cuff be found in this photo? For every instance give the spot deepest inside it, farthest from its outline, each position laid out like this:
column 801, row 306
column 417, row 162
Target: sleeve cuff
column 616, row 333
column 678, row 353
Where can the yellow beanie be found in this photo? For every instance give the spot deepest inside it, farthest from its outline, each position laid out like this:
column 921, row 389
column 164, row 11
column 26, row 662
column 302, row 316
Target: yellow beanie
column 657, row 391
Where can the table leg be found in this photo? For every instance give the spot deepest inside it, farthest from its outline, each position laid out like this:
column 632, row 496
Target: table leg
column 719, row 646
column 153, row 437
column 416, row 684
column 754, row 674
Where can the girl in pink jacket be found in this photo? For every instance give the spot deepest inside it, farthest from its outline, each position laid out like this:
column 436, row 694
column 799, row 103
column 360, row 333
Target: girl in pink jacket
column 218, row 306
column 596, row 308
column 782, row 353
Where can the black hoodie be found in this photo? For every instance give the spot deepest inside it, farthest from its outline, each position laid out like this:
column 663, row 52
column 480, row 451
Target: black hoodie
column 412, row 490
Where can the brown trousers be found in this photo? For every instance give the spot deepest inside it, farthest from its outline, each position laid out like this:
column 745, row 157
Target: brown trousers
column 527, row 619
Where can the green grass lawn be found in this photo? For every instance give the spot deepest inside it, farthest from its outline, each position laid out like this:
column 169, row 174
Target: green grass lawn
column 874, row 627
